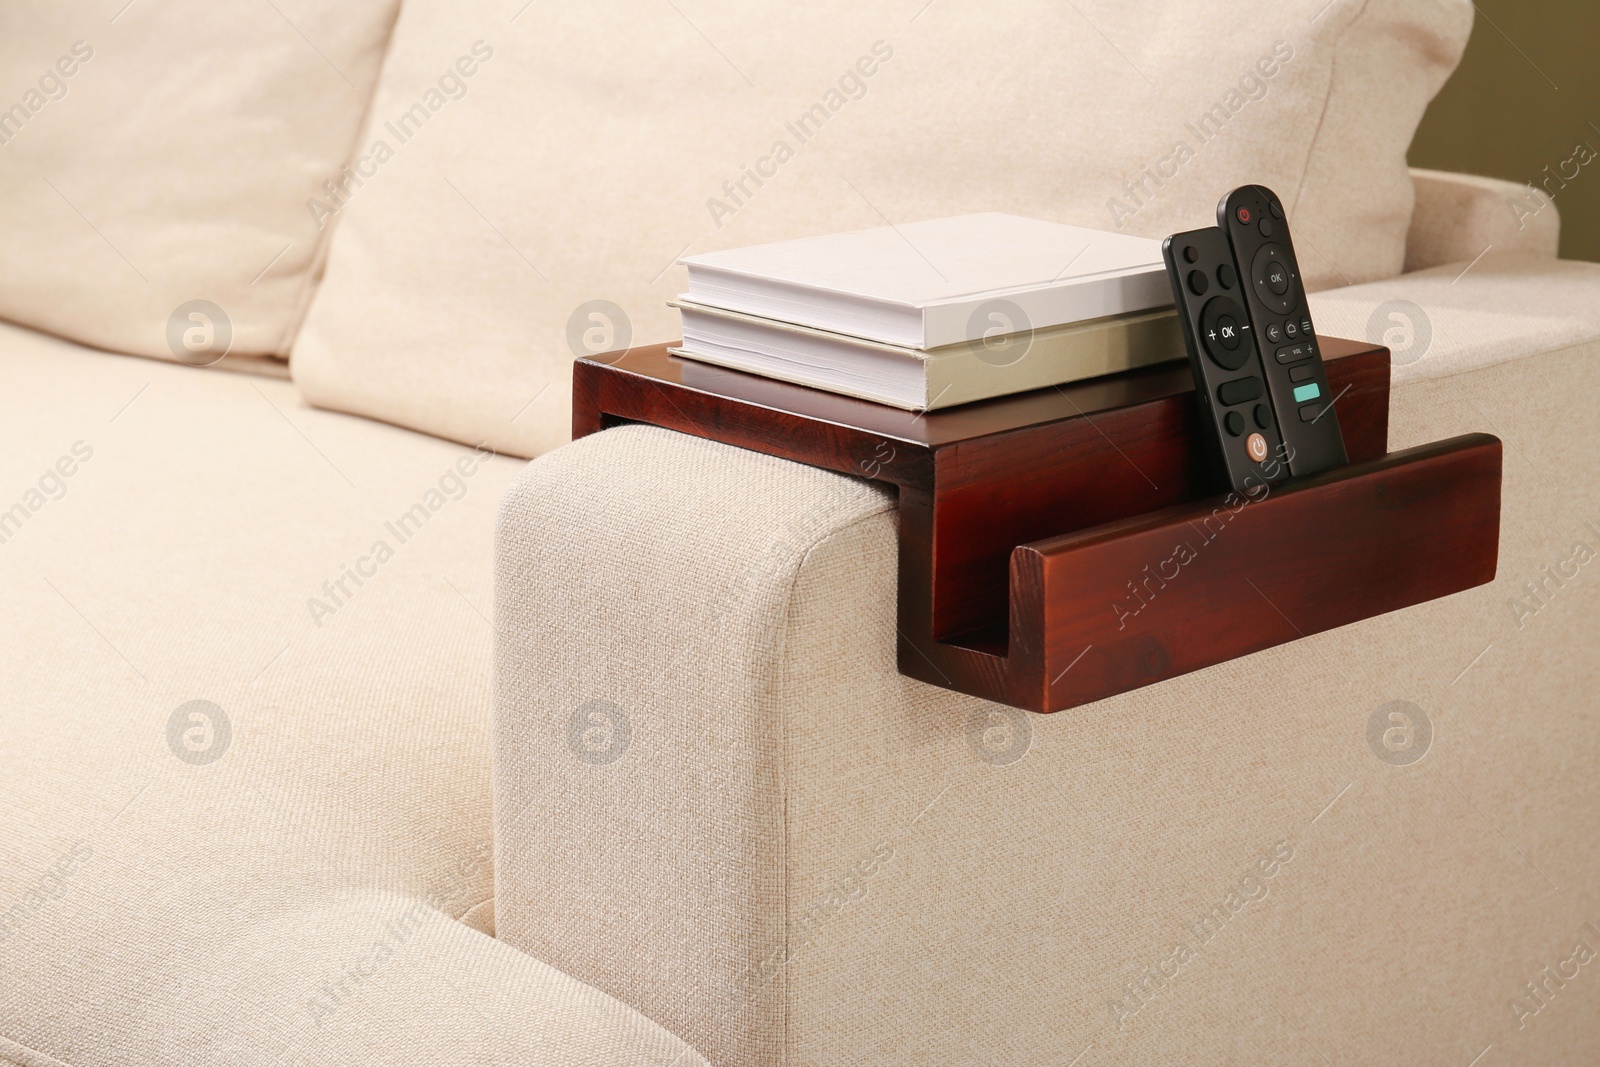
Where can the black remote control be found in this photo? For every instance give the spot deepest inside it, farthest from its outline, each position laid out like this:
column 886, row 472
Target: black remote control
column 1236, row 414
column 1280, row 318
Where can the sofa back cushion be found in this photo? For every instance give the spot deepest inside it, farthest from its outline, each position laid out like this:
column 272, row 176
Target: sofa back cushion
column 527, row 181
column 158, row 159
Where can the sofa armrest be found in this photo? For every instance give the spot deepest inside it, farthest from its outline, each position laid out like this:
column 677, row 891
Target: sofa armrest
column 1458, row 216
column 718, row 800
column 642, row 583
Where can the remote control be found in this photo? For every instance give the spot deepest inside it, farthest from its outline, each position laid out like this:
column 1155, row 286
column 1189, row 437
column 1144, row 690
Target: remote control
column 1236, row 416
column 1280, row 318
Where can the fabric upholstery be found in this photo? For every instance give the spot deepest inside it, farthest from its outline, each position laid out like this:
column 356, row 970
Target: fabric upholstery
column 791, row 854
column 305, row 875
column 1457, row 216
column 1462, row 316
column 522, row 234
column 158, row 154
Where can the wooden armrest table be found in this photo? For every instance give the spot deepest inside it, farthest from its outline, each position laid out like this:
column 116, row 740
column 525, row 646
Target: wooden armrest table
column 1063, row 545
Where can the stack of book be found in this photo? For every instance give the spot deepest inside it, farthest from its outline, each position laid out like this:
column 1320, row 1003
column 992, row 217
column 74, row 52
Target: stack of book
column 932, row 314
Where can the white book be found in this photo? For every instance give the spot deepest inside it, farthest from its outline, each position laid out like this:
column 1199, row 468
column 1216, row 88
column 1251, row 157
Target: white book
column 928, row 379
column 929, row 284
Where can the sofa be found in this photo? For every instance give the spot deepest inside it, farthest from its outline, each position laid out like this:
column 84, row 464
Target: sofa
column 353, row 715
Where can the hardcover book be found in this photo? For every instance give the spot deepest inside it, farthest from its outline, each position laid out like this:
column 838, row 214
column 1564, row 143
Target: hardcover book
column 928, row 285
column 926, row 379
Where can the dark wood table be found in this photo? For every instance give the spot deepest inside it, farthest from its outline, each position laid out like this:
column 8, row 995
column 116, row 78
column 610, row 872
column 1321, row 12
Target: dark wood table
column 1064, row 545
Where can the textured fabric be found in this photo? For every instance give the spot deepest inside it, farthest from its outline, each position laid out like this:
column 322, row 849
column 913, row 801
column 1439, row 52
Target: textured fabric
column 791, row 854
column 537, row 212
column 1463, row 316
column 158, row 154
column 681, row 812
column 300, row 872
column 1457, row 216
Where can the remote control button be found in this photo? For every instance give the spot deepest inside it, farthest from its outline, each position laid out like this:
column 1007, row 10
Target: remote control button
column 1274, row 332
column 1293, row 353
column 1291, row 328
column 1256, row 445
column 1273, row 275
column 1300, row 373
column 1226, row 277
column 1234, row 423
column 1305, row 327
column 1197, row 282
column 1190, row 253
column 1263, row 416
column 1241, row 390
column 1266, row 228
column 1222, row 326
column 1229, row 330
column 1244, row 214
column 1308, row 391
column 1277, row 208
column 1310, row 412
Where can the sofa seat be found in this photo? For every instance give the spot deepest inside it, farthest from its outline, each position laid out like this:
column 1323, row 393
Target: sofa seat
column 297, row 870
column 806, row 858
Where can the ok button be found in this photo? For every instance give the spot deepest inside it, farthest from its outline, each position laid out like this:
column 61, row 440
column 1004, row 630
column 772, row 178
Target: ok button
column 1227, row 332
column 1222, row 333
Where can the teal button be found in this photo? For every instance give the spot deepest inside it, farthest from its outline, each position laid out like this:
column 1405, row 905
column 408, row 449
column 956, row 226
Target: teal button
column 1308, row 391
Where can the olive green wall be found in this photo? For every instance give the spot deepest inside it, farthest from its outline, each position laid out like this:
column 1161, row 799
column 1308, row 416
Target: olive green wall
column 1525, row 98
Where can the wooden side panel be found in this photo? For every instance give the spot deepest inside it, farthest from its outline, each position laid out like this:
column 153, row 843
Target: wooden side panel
column 1124, row 605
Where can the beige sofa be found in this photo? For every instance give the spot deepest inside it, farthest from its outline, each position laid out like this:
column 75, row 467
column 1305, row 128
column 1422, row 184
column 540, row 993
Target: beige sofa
column 326, row 740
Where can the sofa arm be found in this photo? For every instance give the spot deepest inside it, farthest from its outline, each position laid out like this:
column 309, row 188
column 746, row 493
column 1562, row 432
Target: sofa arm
column 642, row 584
column 1457, row 216
column 718, row 800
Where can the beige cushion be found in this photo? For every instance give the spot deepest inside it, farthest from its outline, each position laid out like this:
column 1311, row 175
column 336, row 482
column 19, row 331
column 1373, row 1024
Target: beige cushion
column 158, row 154
column 593, row 148
column 313, row 882
column 802, row 857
